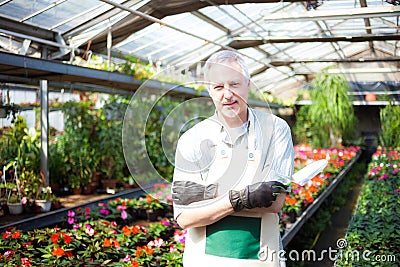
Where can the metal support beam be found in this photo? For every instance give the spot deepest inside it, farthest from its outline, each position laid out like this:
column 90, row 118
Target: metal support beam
column 44, row 126
column 245, row 42
column 44, row 130
column 211, row 21
column 25, row 46
column 26, row 29
column 335, row 14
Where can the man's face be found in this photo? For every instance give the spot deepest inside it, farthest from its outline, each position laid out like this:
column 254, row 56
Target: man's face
column 229, row 89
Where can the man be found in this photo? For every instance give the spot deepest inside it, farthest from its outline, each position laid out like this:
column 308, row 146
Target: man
column 225, row 187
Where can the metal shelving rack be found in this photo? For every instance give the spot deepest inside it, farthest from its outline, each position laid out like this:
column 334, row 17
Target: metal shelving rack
column 46, row 74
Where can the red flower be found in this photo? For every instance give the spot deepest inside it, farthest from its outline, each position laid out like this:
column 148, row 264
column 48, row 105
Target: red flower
column 69, row 254
column 54, row 238
column 6, row 235
column 58, row 252
column 67, row 238
column 134, row 264
column 25, row 262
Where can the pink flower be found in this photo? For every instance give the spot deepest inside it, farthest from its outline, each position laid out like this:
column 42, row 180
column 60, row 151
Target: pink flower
column 127, row 258
column 180, row 237
column 121, row 207
column 156, row 243
column 395, row 171
column 71, row 220
column 89, row 231
column 24, row 200
column 104, row 212
column 71, row 213
column 172, row 248
column 165, row 222
column 124, row 215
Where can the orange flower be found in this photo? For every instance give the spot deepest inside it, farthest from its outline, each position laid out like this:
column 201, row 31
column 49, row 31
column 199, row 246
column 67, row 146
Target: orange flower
column 149, row 199
column 16, row 234
column 107, row 243
column 115, row 243
column 138, row 251
column 135, row 229
column 291, row 201
column 313, row 189
column 126, row 230
column 57, row 251
column 148, row 250
column 134, row 264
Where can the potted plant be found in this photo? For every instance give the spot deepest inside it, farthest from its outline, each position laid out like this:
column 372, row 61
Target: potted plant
column 109, row 127
column 152, row 206
column 7, row 109
column 14, row 202
column 331, row 113
column 43, row 199
column 79, row 139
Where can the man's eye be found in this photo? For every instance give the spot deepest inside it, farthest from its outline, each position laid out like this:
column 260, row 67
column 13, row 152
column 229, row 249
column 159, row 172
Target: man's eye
column 234, row 84
column 218, row 87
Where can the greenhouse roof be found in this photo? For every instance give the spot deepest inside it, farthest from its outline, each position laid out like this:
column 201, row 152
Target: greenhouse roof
column 284, row 42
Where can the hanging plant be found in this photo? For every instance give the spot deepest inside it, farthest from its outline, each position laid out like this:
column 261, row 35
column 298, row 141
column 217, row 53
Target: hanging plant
column 331, row 112
column 8, row 110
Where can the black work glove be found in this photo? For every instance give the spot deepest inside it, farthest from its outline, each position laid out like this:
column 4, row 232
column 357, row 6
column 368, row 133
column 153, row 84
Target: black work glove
column 187, row 192
column 258, row 195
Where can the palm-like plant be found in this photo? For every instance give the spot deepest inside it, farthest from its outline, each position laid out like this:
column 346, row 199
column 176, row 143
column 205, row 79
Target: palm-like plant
column 331, row 112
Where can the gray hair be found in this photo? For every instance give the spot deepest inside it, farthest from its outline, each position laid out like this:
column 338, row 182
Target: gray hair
column 225, row 56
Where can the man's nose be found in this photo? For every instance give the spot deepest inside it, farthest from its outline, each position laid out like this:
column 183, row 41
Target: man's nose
column 227, row 92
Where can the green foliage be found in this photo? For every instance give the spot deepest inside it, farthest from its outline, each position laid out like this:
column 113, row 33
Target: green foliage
column 78, row 139
column 303, row 130
column 320, row 221
column 390, row 126
column 153, row 131
column 109, row 129
column 331, row 113
column 373, row 228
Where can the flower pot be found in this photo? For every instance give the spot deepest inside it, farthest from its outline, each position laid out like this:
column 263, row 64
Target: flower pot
column 15, row 208
column 76, row 190
column 292, row 216
column 109, row 183
column 152, row 215
column 2, row 207
column 45, row 205
column 3, row 112
column 88, row 189
column 370, row 97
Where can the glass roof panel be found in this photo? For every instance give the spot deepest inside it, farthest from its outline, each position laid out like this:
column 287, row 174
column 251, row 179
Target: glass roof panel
column 19, row 9
column 61, row 12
